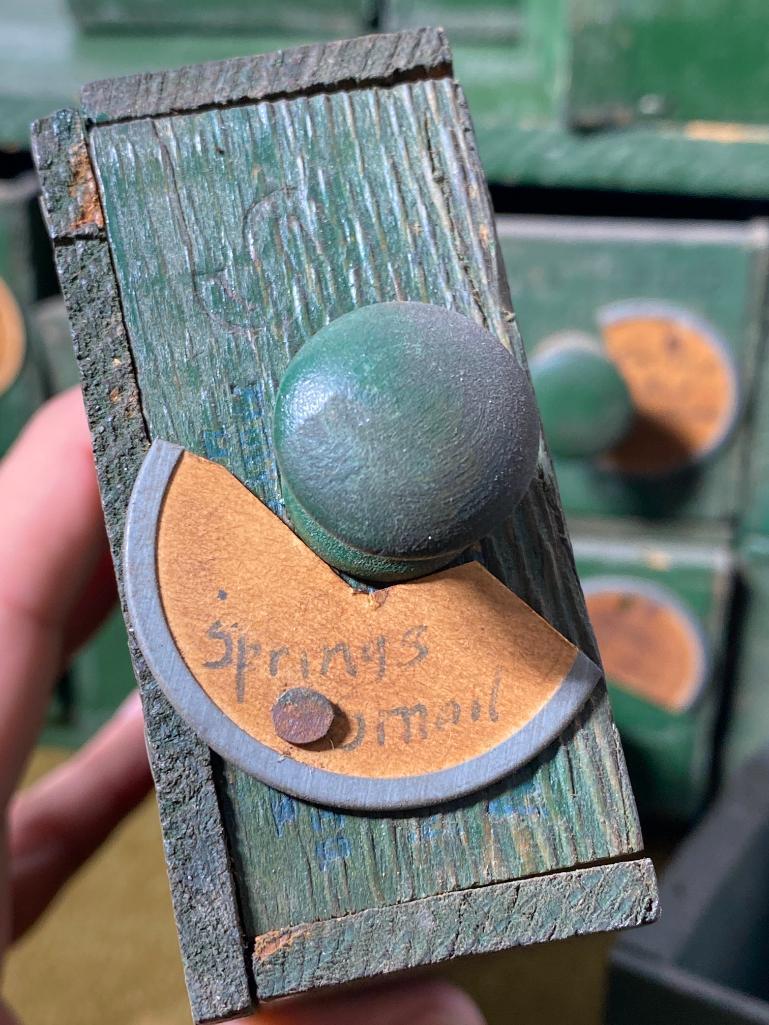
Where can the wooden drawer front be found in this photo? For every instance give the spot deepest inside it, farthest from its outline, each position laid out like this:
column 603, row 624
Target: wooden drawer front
column 675, row 308
column 658, row 606
column 689, row 61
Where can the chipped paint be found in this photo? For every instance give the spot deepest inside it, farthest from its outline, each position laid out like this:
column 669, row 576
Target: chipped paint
column 83, row 191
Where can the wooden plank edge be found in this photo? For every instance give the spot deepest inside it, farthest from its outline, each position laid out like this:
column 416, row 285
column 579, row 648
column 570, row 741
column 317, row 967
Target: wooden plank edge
column 202, row 889
column 351, row 63
column 491, row 918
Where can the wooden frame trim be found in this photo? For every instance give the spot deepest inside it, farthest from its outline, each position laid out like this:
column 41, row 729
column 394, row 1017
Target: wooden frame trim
column 434, row 929
column 301, row 71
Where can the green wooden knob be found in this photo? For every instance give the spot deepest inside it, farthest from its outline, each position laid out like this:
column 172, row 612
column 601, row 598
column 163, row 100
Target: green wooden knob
column 403, row 433
column 584, row 402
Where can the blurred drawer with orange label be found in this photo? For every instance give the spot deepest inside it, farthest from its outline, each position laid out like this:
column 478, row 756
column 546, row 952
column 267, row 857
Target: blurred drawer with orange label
column 642, row 341
column 658, row 602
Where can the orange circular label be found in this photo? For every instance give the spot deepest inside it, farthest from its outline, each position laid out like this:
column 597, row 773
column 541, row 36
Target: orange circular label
column 682, row 383
column 424, row 676
column 12, row 338
column 649, row 643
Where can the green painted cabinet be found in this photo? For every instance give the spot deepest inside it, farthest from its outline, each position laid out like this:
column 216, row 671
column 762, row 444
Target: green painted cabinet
column 489, row 21
column 515, row 57
column 704, row 962
column 318, row 18
column 754, row 497
column 22, row 377
column 677, row 307
column 686, row 60
column 658, row 601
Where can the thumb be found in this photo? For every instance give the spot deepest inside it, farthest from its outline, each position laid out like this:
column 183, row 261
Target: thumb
column 407, row 1002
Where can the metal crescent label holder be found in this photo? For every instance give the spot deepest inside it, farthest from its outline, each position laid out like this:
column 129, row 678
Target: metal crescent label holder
column 450, row 712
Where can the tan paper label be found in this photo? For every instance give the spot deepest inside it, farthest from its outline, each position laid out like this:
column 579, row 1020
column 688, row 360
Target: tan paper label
column 12, row 338
column 682, row 386
column 648, row 646
column 425, row 675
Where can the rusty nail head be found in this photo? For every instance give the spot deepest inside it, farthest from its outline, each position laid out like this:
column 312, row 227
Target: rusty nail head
column 302, row 716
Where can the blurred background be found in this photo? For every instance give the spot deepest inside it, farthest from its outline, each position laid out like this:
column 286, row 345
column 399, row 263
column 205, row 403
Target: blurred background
column 626, row 143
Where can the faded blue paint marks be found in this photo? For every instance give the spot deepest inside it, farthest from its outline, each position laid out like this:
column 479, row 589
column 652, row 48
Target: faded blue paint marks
column 332, row 849
column 526, row 799
column 284, row 810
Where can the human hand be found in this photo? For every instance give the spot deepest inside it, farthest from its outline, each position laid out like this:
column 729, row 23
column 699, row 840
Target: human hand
column 56, row 586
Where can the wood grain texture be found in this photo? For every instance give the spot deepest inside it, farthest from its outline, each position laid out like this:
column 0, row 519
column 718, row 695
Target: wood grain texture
column 323, row 204
column 492, row 918
column 64, row 170
column 345, row 65
column 199, row 871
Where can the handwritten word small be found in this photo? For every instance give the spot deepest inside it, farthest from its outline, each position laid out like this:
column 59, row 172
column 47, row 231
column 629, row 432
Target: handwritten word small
column 247, row 656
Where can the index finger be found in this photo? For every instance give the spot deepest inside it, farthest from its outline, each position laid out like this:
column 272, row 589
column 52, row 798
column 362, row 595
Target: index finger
column 51, row 537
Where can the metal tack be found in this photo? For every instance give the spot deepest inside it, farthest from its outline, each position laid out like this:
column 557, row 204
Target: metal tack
column 302, row 715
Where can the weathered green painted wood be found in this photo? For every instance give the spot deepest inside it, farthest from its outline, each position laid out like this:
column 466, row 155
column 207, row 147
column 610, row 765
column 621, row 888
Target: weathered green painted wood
column 193, row 837
column 436, row 245
column 318, row 18
column 691, row 60
column 670, row 754
column 302, row 70
column 715, row 271
column 748, row 726
column 475, row 921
